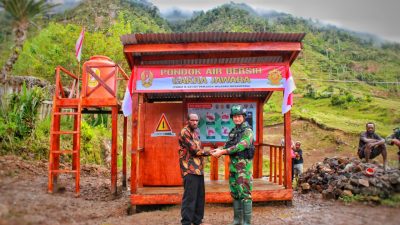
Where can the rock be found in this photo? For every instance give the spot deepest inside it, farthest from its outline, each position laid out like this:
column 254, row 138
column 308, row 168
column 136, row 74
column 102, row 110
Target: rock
column 347, row 193
column 357, row 169
column 363, row 182
column 305, row 186
column 328, row 195
column 339, row 176
column 354, row 181
column 348, row 187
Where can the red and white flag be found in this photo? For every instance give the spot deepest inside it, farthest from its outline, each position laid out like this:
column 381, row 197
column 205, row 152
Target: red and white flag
column 289, row 87
column 78, row 45
column 127, row 102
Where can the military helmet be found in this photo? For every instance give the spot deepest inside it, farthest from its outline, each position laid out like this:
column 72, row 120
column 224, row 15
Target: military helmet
column 238, row 110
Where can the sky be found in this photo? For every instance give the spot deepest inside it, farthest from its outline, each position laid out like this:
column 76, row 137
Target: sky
column 378, row 17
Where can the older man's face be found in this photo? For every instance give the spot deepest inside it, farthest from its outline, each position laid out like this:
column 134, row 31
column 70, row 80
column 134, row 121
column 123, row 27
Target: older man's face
column 193, row 121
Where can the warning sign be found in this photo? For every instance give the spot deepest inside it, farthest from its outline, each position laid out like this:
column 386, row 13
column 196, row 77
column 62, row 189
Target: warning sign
column 163, row 128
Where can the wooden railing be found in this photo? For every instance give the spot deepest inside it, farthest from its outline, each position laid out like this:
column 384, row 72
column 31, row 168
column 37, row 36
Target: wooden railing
column 277, row 163
column 73, row 85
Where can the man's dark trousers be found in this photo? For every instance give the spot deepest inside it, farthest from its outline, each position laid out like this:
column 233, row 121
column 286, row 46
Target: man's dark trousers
column 193, row 199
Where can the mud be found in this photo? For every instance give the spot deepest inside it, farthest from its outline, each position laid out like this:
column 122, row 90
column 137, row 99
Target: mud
column 24, row 200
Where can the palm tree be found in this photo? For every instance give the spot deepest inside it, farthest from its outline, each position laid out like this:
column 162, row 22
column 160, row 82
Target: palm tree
column 22, row 13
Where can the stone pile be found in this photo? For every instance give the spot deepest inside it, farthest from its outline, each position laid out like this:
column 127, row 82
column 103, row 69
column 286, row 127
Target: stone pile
column 339, row 176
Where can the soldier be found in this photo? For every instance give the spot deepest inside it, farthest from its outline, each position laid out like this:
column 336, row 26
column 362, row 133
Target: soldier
column 394, row 139
column 240, row 149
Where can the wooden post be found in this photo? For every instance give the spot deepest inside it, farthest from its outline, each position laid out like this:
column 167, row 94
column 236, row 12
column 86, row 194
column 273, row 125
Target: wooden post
column 114, row 147
column 280, row 166
column 134, row 147
column 260, row 134
column 271, row 168
column 56, row 142
column 214, row 168
column 124, row 152
column 275, row 164
column 75, row 141
column 226, row 160
column 288, row 141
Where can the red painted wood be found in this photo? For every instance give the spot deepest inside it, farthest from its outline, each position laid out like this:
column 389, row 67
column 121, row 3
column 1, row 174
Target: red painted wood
column 271, row 155
column 275, row 164
column 140, row 136
column 114, row 146
column 134, row 146
column 124, row 139
column 227, row 161
column 188, row 47
column 287, row 130
column 214, row 168
column 159, row 162
column 209, row 55
column 75, row 141
column 216, row 197
column 280, row 166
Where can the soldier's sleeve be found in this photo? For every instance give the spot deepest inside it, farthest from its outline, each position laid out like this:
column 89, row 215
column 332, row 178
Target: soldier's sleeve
column 246, row 141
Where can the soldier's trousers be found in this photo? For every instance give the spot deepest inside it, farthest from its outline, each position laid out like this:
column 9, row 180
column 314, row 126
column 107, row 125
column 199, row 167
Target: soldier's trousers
column 240, row 178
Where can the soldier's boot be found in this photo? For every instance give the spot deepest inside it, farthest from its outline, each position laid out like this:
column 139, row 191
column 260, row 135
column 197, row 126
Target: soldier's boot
column 237, row 212
column 247, row 211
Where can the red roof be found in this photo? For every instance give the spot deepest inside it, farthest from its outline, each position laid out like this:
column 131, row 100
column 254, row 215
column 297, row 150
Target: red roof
column 211, row 48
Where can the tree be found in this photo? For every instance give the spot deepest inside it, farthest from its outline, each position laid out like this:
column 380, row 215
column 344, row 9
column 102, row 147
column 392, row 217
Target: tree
column 22, row 13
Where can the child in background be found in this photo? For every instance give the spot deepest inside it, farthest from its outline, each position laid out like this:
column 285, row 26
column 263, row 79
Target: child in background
column 298, row 160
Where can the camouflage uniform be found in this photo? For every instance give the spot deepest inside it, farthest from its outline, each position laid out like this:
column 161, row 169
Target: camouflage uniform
column 240, row 169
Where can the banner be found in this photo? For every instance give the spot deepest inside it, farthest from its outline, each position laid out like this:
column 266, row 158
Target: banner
column 215, row 78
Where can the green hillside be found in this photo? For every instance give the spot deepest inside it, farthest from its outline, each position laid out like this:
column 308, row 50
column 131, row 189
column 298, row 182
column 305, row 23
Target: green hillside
column 343, row 80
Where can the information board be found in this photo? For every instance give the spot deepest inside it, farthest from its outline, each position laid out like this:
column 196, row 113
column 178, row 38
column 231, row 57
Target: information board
column 215, row 122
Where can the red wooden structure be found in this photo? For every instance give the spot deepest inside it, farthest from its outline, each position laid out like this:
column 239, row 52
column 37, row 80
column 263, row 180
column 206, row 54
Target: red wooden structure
column 174, row 74
column 97, row 88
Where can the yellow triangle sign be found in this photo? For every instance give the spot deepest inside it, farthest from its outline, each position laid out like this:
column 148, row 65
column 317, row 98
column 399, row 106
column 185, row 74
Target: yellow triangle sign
column 163, row 124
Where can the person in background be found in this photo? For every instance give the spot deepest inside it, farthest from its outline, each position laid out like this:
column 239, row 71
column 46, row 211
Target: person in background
column 371, row 145
column 298, row 159
column 394, row 139
column 292, row 155
column 191, row 163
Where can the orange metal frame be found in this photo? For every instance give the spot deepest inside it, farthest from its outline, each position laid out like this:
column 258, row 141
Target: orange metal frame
column 76, row 101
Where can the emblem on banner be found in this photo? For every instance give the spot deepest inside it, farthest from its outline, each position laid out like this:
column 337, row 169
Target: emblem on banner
column 147, row 78
column 275, row 76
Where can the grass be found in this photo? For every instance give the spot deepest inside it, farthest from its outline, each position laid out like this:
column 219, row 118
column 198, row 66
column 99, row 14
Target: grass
column 392, row 201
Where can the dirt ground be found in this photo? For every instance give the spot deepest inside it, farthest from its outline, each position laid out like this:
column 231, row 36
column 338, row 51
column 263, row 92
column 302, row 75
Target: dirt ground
column 24, row 200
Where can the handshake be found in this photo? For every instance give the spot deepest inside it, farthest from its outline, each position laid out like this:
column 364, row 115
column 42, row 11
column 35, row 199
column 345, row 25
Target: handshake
column 218, row 152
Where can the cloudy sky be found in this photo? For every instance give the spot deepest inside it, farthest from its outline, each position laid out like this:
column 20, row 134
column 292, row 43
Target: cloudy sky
column 379, row 17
